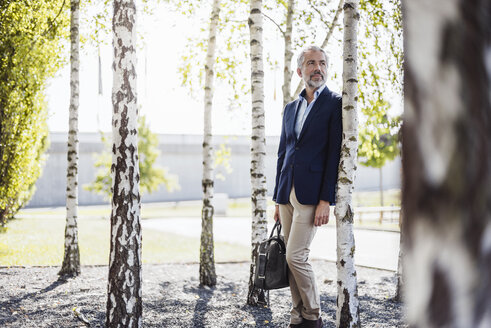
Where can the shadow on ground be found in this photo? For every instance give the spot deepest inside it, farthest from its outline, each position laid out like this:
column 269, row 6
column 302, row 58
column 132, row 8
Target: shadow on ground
column 172, row 297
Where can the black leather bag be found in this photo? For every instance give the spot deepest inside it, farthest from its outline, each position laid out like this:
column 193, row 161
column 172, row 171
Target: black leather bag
column 271, row 267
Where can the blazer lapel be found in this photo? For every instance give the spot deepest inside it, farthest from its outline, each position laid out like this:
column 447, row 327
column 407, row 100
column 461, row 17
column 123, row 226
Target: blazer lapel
column 293, row 118
column 318, row 103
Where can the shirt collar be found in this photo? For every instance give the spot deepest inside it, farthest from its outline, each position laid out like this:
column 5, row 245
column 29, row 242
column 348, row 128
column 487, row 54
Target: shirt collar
column 317, row 92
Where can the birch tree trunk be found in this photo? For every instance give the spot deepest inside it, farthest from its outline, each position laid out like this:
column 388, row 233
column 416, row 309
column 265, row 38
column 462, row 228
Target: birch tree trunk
column 399, row 274
column 207, row 274
column 287, row 64
column 258, row 144
column 381, row 184
column 71, row 259
column 347, row 314
column 447, row 163
column 124, row 301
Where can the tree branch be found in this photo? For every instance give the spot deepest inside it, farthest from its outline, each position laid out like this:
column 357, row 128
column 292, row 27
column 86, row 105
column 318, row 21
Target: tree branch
column 235, row 20
column 319, row 12
column 278, row 26
column 333, row 23
column 54, row 20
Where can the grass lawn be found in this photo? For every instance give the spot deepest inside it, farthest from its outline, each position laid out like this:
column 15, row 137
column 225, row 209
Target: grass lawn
column 392, row 197
column 39, row 241
column 37, row 236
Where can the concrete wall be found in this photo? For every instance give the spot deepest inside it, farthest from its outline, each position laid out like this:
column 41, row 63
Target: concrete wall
column 182, row 155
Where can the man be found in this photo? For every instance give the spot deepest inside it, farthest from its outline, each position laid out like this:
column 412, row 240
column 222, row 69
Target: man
column 308, row 158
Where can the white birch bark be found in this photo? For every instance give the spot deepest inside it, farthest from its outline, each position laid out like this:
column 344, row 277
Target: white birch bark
column 287, row 64
column 447, row 163
column 124, row 301
column 71, row 259
column 333, row 25
column 258, row 142
column 207, row 274
column 347, row 314
column 400, row 271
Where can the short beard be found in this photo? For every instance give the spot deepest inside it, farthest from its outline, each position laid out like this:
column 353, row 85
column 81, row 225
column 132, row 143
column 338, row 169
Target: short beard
column 315, row 84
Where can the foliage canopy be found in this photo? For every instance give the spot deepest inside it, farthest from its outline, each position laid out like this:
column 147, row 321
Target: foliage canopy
column 314, row 22
column 380, row 81
column 31, row 35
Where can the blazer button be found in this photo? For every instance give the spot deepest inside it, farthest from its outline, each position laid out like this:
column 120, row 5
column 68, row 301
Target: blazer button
column 297, row 148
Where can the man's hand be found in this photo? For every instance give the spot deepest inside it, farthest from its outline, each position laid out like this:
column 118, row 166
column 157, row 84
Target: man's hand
column 277, row 213
column 321, row 213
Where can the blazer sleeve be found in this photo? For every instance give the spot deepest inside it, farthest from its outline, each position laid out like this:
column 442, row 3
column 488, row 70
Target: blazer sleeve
column 281, row 154
column 328, row 191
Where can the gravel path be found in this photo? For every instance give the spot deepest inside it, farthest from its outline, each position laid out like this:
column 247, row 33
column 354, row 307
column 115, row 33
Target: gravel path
column 33, row 297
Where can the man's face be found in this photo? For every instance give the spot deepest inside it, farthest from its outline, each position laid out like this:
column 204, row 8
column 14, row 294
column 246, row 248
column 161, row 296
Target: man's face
column 314, row 69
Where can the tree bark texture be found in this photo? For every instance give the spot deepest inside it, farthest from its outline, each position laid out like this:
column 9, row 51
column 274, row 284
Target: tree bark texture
column 71, row 259
column 381, row 184
column 287, row 65
column 207, row 274
column 347, row 314
column 400, row 268
column 258, row 143
column 124, row 303
column 447, row 163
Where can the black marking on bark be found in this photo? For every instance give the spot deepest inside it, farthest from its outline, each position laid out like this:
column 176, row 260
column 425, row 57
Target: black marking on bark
column 255, row 297
column 206, row 183
column 475, row 129
column 441, row 308
column 342, row 262
column 349, row 217
column 348, row 5
column 346, row 318
column 344, row 180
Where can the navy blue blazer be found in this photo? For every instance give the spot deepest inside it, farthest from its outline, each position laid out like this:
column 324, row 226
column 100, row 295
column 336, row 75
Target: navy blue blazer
column 311, row 162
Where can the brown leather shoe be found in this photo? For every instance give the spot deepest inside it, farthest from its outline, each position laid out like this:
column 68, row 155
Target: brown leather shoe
column 312, row 323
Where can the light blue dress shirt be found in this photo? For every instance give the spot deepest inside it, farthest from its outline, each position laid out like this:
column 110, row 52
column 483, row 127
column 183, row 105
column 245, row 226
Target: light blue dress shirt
column 304, row 110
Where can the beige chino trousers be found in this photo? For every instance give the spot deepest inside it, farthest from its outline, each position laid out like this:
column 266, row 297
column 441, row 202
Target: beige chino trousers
column 297, row 221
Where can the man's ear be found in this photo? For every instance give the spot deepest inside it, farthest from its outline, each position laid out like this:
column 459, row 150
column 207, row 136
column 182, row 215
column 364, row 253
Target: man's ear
column 299, row 72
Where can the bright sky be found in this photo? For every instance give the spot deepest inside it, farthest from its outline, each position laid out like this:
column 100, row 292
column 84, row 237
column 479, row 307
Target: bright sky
column 168, row 106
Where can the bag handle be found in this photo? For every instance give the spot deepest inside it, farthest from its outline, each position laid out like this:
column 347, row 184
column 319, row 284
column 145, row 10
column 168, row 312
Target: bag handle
column 277, row 227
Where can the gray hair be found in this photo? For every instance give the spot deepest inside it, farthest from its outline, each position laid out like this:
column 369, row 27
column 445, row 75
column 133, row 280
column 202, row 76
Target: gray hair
column 301, row 56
